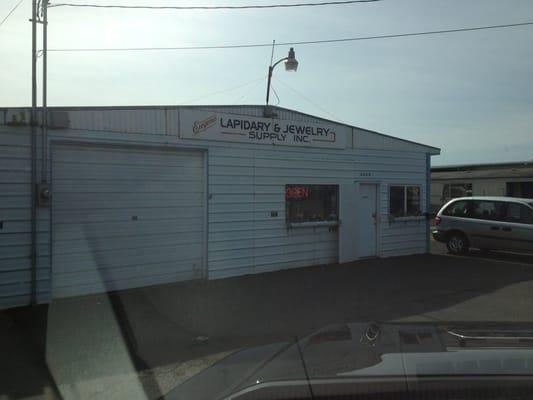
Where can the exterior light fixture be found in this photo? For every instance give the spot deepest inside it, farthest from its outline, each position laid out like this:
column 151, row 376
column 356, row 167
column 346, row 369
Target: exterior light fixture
column 291, row 64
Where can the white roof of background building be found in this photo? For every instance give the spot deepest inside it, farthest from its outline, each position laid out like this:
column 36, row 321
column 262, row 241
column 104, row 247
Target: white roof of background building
column 523, row 169
column 163, row 119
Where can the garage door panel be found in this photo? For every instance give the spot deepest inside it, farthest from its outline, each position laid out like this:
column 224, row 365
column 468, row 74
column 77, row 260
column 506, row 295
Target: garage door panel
column 109, row 258
column 116, row 157
column 111, row 243
column 73, row 202
column 128, row 214
column 109, row 236
column 95, row 171
column 71, row 288
column 96, row 275
column 89, row 231
column 153, row 186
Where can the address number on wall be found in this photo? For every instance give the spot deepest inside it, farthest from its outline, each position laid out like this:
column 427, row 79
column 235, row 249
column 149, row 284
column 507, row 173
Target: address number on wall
column 365, row 173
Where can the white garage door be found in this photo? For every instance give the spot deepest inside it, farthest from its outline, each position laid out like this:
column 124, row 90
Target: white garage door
column 125, row 217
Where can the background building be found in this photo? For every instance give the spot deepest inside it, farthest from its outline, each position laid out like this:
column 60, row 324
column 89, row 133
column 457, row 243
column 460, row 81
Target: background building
column 502, row 179
column 136, row 196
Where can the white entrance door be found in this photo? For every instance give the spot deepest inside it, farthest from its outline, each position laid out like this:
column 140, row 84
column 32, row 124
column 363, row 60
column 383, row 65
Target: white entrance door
column 367, row 221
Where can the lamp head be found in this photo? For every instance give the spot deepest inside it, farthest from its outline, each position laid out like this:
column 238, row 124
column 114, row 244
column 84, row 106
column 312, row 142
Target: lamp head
column 291, row 64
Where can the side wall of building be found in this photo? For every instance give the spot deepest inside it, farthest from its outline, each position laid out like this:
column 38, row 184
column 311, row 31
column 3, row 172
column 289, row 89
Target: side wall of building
column 247, row 232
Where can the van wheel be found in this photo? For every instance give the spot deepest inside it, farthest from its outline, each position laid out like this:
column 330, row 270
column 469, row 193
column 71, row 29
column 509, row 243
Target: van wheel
column 457, row 243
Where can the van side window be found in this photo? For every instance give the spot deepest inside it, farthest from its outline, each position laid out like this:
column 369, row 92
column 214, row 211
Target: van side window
column 519, row 213
column 457, row 209
column 489, row 210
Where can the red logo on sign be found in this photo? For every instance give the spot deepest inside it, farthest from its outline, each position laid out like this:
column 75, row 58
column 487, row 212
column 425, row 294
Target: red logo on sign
column 200, row 126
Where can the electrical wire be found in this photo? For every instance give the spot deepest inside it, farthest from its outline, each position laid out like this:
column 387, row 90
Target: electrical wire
column 11, row 12
column 247, row 93
column 224, row 90
column 300, row 43
column 248, row 7
column 275, row 94
column 301, row 95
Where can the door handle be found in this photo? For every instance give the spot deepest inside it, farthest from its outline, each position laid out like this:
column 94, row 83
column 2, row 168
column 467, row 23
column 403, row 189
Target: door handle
column 494, row 228
column 507, row 229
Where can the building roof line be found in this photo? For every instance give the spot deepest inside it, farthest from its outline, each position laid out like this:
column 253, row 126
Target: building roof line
column 158, row 107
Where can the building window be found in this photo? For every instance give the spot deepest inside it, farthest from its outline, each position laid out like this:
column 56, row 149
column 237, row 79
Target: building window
column 404, row 201
column 307, row 203
column 454, row 190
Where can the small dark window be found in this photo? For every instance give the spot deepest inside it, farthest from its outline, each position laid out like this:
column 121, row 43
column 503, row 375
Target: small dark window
column 519, row 213
column 457, row 209
column 306, row 203
column 489, row 210
column 396, row 197
column 413, row 200
column 404, row 201
column 454, row 190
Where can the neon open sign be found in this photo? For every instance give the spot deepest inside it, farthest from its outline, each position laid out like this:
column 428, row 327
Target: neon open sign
column 296, row 192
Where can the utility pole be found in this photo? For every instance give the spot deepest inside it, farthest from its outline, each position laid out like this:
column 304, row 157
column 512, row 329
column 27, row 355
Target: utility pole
column 33, row 126
column 40, row 193
column 44, row 167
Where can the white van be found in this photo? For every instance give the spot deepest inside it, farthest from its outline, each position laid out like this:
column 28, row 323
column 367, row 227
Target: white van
column 487, row 223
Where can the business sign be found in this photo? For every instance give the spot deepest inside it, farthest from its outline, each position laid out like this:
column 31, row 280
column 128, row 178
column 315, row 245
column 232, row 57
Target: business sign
column 296, row 192
column 208, row 125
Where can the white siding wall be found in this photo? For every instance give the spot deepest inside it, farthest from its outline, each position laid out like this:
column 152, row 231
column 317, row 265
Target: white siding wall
column 15, row 215
column 246, row 182
column 398, row 237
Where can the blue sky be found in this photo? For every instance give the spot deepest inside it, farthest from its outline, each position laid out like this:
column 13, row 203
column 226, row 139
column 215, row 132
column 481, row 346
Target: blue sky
column 470, row 94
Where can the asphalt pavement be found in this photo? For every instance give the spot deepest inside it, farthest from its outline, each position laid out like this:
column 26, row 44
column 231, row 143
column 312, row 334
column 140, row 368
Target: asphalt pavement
column 140, row 343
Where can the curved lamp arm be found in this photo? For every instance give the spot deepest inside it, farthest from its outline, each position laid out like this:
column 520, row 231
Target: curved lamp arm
column 290, row 64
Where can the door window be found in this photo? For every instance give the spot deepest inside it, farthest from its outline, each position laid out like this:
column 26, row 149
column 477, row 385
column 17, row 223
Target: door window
column 519, row 213
column 489, row 210
column 457, row 209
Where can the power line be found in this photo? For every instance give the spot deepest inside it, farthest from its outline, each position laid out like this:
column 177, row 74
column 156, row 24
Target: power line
column 11, row 12
column 304, row 97
column 301, row 43
column 230, row 89
column 248, row 7
column 241, row 98
column 275, row 94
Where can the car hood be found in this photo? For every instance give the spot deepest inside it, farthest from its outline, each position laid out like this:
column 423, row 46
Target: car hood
column 370, row 351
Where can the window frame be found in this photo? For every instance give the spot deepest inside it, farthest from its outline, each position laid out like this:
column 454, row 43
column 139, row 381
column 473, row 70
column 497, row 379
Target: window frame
column 405, row 214
column 319, row 222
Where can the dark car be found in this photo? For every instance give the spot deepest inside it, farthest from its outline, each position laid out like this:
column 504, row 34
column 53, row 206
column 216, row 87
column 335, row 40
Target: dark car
column 377, row 361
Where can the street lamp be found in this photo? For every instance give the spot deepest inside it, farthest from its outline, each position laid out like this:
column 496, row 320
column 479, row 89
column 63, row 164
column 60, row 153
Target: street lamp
column 290, row 65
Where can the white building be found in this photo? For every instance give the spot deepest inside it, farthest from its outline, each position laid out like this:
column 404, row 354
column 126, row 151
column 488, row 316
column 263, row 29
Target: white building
column 151, row 195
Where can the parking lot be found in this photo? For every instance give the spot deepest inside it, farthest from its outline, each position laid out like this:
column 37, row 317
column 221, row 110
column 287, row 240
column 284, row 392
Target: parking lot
column 169, row 332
